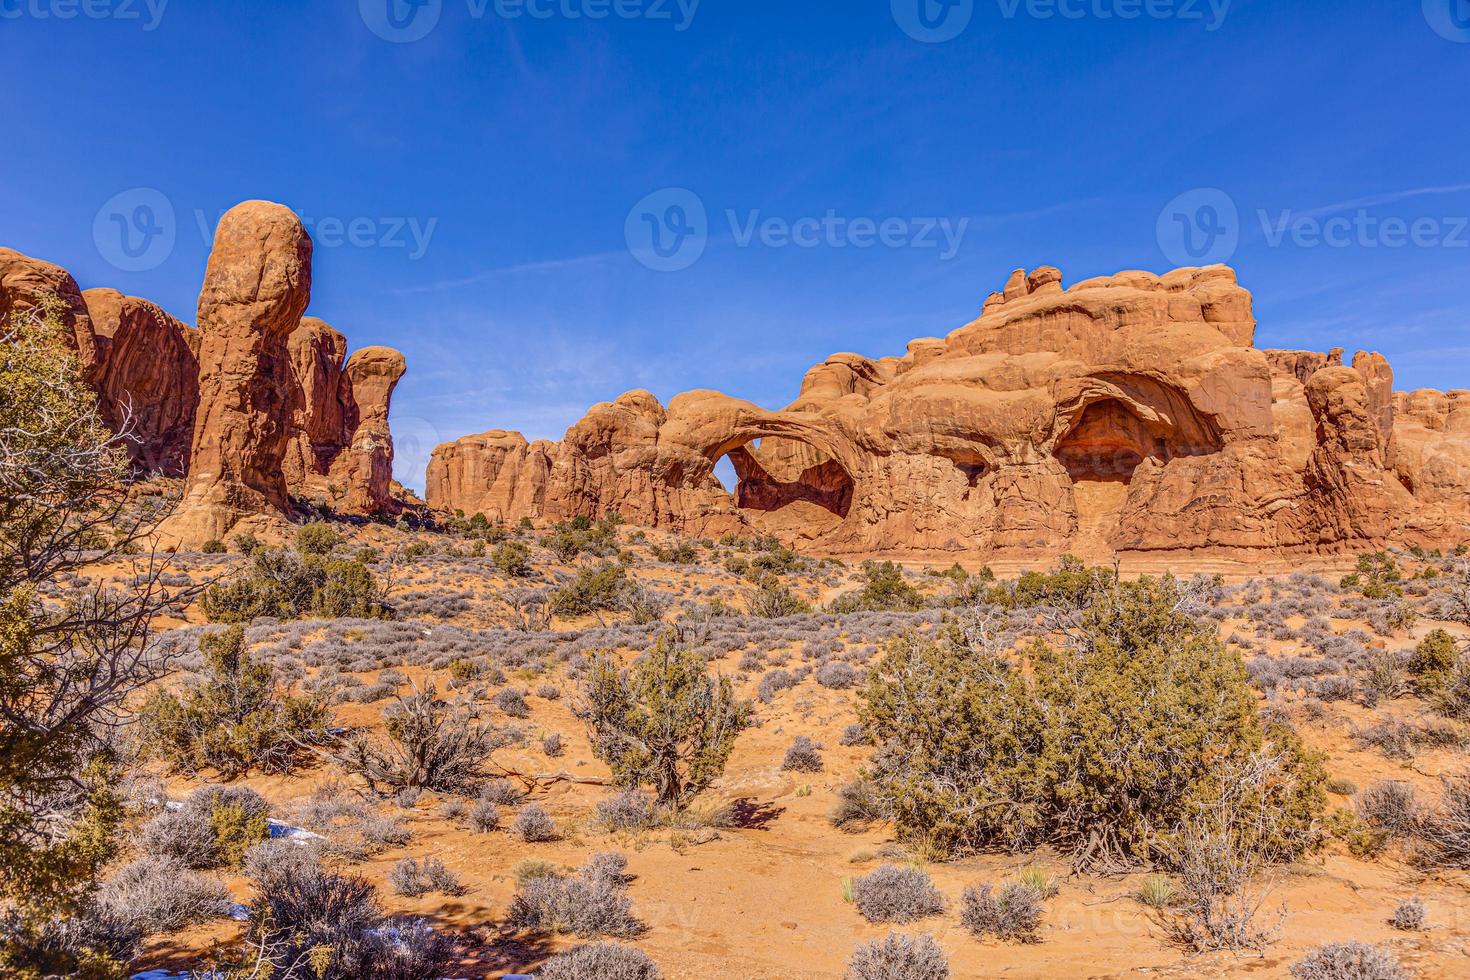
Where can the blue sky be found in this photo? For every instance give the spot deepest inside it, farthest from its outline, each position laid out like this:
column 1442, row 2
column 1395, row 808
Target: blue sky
column 477, row 194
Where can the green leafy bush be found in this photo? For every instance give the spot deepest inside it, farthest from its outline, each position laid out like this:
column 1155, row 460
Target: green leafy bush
column 513, row 558
column 317, row 538
column 596, row 589
column 884, row 591
column 1102, row 745
column 665, row 722
column 290, row 585
column 234, row 717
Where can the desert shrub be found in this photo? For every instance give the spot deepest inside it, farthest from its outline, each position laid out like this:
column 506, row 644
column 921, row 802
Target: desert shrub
column 428, row 746
column 853, row 734
column 1383, row 678
column 533, row 825
column 553, row 745
column 316, row 538
column 1218, row 908
column 605, row 961
column 181, row 836
column 1014, row 913
column 585, row 904
column 884, row 590
column 234, row 717
column 1433, row 658
column 642, row 604
column 664, row 722
column 1409, row 915
column 1451, row 695
column 1444, row 831
column 773, row 600
column 501, row 792
column 1388, row 805
column 214, row 546
column 836, row 675
column 1348, row 961
column 512, row 702
column 414, row 878
column 599, row 588
column 160, row 894
column 898, row 957
column 484, row 816
column 287, row 584
column 1071, row 585
column 629, row 810
column 609, row 865
column 860, row 803
column 1104, row 746
column 1362, row 838
column 773, row 683
column 330, row 927
column 896, row 894
column 804, row 755
column 513, row 558
column 1157, row 892
column 1377, row 576
column 272, row 858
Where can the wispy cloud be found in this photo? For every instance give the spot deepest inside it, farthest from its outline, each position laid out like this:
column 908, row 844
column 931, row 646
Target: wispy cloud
column 1381, row 199
column 521, row 268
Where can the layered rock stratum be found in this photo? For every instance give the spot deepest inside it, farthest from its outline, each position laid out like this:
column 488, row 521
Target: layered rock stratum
column 1125, row 414
column 258, row 405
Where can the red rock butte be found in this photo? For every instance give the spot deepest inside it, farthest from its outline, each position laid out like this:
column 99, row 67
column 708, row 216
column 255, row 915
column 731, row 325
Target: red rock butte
column 1129, row 414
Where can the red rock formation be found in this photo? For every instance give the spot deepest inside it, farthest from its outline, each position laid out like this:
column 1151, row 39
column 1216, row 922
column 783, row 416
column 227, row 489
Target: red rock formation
column 286, row 409
column 1126, row 413
column 25, row 283
column 498, row 474
column 340, row 450
column 364, row 467
column 256, row 287
column 146, row 374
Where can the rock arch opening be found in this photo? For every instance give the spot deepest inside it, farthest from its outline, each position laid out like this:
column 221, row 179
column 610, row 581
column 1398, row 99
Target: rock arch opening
column 780, row 474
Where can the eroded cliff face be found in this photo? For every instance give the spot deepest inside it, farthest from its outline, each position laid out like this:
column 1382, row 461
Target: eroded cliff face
column 1128, row 413
column 258, row 405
